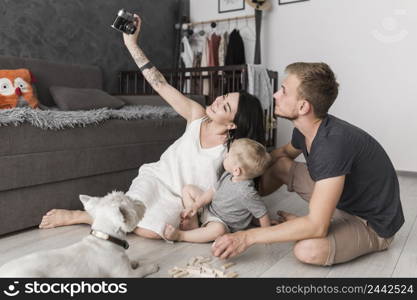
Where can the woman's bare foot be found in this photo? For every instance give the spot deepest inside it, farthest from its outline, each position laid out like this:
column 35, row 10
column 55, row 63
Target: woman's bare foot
column 171, row 233
column 63, row 217
column 285, row 216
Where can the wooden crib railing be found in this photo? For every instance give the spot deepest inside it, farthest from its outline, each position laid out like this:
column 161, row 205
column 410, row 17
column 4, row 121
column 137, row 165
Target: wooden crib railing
column 209, row 81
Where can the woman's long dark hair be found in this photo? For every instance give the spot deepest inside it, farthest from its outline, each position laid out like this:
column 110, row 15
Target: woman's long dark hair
column 249, row 120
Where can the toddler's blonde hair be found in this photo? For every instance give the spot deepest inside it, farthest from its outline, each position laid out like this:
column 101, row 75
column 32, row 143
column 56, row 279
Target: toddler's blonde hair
column 252, row 156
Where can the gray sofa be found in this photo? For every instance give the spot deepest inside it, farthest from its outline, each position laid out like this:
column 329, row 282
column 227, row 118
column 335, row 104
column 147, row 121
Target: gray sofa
column 44, row 169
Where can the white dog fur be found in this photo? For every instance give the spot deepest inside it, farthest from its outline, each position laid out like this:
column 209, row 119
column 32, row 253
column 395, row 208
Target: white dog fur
column 115, row 214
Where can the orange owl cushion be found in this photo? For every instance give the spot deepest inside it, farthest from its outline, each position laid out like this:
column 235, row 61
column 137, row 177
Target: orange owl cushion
column 16, row 89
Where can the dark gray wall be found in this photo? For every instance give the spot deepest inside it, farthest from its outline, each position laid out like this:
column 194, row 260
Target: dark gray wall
column 78, row 31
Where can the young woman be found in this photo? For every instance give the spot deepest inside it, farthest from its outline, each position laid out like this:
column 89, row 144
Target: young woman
column 195, row 158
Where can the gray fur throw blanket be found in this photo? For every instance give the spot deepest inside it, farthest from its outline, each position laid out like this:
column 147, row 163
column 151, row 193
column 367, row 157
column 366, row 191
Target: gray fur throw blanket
column 57, row 120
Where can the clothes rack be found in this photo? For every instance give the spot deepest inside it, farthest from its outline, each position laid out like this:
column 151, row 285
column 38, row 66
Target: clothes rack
column 219, row 20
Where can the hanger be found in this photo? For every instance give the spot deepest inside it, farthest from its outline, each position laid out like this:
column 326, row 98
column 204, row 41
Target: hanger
column 213, row 26
column 202, row 32
column 190, row 31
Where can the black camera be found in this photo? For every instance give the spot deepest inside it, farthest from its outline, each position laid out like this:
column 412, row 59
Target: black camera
column 125, row 22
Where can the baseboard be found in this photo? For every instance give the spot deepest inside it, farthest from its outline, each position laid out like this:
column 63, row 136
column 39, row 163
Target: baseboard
column 406, row 173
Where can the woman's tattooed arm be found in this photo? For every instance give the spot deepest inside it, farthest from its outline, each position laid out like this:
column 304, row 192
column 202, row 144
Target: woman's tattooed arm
column 153, row 76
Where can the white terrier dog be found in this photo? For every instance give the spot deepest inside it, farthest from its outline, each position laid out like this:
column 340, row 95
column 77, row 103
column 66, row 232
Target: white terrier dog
column 101, row 254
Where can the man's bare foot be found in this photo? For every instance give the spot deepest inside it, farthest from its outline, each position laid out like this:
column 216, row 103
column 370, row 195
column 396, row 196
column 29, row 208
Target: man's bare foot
column 285, row 216
column 63, row 217
column 171, row 233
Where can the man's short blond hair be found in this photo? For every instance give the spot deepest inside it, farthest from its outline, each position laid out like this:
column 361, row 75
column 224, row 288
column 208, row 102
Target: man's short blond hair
column 252, row 156
column 317, row 84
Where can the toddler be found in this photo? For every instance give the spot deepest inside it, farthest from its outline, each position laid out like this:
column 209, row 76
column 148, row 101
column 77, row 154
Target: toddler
column 232, row 203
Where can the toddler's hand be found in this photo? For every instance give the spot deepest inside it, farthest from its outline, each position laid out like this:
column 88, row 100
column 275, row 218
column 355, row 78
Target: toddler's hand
column 189, row 212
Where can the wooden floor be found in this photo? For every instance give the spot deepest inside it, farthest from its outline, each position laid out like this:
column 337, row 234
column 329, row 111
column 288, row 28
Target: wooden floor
column 276, row 260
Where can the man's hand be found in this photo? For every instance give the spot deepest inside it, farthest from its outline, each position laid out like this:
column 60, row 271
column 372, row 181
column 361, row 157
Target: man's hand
column 285, row 151
column 132, row 39
column 230, row 245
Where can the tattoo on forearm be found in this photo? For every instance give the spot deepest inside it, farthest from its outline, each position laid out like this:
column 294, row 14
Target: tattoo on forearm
column 153, row 76
column 138, row 56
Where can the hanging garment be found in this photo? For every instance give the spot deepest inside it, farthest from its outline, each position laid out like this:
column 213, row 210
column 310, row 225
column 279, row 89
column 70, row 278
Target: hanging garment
column 249, row 41
column 195, row 82
column 235, row 54
column 198, row 44
column 222, row 56
column 213, row 43
column 205, row 54
column 223, row 48
column 204, row 63
column 213, row 46
column 197, row 60
column 187, row 54
column 259, row 85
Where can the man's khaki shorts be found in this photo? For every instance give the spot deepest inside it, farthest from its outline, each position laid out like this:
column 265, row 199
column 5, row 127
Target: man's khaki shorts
column 349, row 236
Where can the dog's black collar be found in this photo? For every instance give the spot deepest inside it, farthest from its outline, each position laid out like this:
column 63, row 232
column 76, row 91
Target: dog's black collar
column 105, row 236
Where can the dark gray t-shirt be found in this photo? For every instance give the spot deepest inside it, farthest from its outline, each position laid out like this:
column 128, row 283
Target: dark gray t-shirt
column 371, row 188
column 236, row 202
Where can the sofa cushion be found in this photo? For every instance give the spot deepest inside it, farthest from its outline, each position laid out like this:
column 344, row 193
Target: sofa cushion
column 67, row 98
column 49, row 73
column 16, row 89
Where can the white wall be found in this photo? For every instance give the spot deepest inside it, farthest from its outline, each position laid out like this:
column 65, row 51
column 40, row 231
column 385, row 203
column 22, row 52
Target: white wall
column 202, row 10
column 372, row 47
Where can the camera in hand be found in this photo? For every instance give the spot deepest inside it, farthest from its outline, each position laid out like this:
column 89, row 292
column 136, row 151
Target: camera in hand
column 125, row 22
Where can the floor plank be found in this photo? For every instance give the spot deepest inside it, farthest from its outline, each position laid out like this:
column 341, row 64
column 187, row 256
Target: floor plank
column 407, row 264
column 289, row 266
column 35, row 240
column 275, row 260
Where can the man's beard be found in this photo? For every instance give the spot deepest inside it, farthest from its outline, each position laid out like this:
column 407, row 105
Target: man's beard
column 290, row 118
